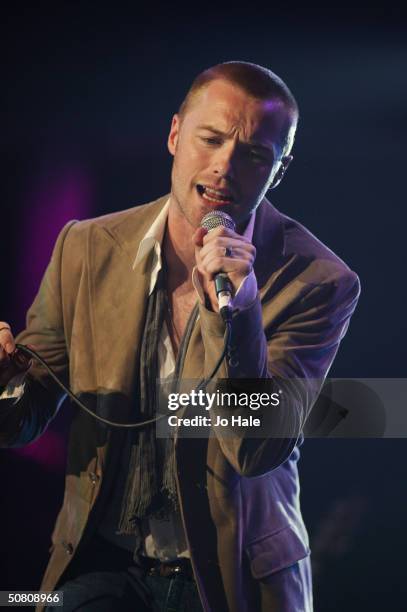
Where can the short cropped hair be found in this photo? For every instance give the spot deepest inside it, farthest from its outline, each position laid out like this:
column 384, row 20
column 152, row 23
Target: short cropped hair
column 255, row 80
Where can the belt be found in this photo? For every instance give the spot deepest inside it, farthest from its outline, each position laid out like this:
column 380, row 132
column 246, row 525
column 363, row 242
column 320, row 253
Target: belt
column 168, row 569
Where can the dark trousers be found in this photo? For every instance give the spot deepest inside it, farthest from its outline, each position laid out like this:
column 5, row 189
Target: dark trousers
column 105, row 578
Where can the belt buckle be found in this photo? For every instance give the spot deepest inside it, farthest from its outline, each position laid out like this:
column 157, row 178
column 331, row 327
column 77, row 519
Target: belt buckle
column 169, row 571
column 166, row 570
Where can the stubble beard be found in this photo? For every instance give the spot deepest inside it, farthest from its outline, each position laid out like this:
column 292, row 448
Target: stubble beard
column 182, row 211
column 185, row 213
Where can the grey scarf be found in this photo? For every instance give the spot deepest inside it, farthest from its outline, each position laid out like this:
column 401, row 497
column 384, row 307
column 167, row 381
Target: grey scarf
column 150, row 488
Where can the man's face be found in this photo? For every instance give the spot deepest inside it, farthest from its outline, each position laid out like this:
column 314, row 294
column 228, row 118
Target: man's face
column 226, row 152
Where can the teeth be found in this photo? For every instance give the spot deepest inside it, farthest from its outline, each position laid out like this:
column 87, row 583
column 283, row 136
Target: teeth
column 213, row 198
column 214, row 194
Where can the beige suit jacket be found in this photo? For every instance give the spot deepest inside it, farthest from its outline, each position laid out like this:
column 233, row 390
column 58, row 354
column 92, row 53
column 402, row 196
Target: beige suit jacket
column 239, row 496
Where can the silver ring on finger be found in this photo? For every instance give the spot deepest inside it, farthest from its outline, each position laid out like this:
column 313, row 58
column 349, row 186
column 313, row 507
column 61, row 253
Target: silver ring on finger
column 228, row 252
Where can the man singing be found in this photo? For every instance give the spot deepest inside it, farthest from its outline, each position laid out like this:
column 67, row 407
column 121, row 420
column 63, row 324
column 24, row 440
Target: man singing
column 212, row 523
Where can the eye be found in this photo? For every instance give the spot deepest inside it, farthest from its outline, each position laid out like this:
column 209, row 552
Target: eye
column 258, row 157
column 211, row 141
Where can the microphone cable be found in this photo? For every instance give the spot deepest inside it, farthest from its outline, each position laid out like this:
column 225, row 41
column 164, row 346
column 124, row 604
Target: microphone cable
column 202, row 385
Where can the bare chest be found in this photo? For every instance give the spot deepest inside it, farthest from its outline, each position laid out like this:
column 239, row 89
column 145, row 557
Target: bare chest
column 181, row 304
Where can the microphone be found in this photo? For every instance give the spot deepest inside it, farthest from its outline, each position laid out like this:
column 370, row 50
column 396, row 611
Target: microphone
column 223, row 286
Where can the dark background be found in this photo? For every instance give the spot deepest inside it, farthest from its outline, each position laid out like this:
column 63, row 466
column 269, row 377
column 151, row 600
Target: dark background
column 89, row 93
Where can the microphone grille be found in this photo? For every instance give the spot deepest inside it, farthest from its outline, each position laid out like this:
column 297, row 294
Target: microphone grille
column 215, row 218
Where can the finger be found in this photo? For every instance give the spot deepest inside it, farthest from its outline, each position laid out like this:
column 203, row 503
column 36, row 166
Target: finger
column 198, row 236
column 203, row 272
column 227, row 262
column 7, row 370
column 6, row 337
column 22, row 360
column 230, row 243
column 205, row 276
column 226, row 251
column 224, row 264
column 4, row 357
column 235, row 274
column 223, row 232
column 13, row 366
column 17, row 360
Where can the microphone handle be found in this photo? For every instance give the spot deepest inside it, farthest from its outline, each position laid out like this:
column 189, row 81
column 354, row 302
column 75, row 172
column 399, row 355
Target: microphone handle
column 224, row 289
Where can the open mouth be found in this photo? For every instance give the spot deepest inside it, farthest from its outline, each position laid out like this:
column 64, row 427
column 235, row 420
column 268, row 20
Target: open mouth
column 215, row 196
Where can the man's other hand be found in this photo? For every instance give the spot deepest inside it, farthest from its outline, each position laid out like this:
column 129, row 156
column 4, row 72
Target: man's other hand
column 12, row 360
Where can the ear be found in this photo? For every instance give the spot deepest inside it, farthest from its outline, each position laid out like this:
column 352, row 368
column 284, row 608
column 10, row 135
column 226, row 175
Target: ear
column 173, row 135
column 284, row 163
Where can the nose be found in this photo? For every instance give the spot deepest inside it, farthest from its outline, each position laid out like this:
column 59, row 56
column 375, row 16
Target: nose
column 225, row 161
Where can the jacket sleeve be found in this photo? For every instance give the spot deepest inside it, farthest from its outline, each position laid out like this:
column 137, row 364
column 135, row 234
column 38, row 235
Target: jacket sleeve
column 24, row 420
column 295, row 354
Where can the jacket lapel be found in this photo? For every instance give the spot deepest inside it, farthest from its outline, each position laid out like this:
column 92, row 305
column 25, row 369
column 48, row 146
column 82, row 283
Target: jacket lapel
column 119, row 291
column 268, row 238
column 118, row 297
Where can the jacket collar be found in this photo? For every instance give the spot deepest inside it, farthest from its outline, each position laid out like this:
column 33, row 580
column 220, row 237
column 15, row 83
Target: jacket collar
column 118, row 291
column 128, row 231
column 268, row 238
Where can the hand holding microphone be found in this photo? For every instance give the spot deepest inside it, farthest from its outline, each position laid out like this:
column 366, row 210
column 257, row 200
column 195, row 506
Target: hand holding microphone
column 223, row 257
